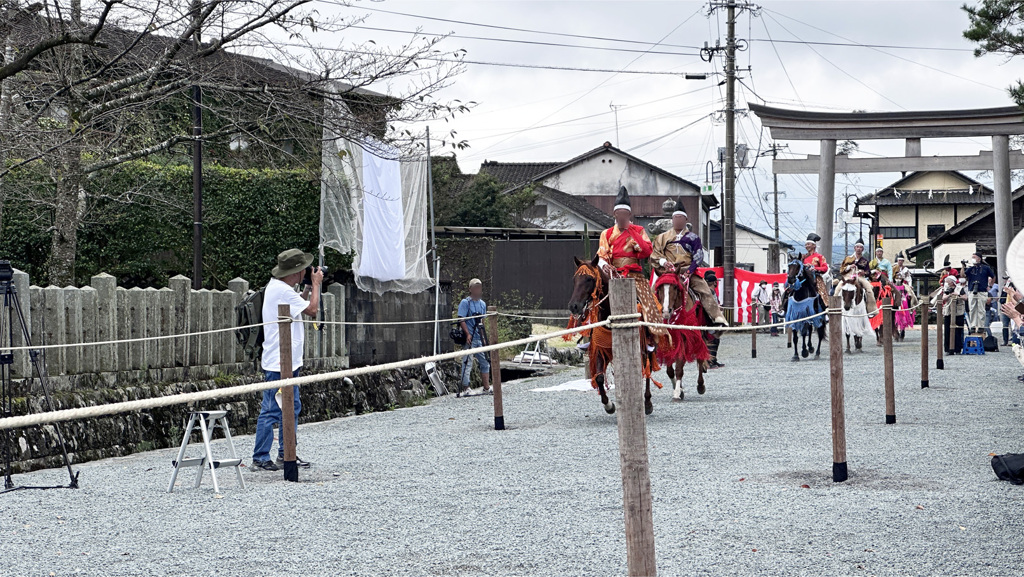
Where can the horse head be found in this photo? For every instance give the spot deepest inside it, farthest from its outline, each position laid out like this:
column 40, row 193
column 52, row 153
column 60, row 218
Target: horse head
column 588, row 282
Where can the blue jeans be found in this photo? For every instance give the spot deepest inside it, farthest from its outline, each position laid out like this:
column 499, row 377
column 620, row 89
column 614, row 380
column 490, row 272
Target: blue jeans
column 481, row 360
column 270, row 415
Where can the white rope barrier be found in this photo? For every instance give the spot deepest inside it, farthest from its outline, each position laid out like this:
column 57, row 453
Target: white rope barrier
column 391, row 323
column 129, row 341
column 181, row 398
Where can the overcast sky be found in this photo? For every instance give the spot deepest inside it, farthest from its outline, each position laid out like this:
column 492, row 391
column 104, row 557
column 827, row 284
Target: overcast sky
column 550, row 115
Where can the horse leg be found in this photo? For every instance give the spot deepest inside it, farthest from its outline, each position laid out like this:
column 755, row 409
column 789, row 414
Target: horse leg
column 821, row 337
column 648, row 405
column 796, row 339
column 609, row 406
column 675, row 375
column 806, row 334
column 702, row 368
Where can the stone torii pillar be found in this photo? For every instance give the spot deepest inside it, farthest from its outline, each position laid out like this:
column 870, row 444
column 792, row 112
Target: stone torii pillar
column 1003, row 204
column 826, row 197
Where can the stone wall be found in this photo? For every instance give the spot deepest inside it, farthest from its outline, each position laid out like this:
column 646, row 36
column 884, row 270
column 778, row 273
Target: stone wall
column 123, row 434
column 103, row 311
column 372, row 344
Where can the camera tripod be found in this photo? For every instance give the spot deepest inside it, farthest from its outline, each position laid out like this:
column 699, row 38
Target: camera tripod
column 9, row 314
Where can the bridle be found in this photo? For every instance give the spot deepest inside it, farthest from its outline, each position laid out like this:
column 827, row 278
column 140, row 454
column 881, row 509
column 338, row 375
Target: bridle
column 593, row 302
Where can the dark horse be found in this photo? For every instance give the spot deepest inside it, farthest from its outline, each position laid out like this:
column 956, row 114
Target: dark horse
column 804, row 301
column 589, row 304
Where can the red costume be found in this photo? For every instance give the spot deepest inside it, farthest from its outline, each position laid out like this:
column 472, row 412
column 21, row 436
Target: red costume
column 623, row 249
column 817, row 262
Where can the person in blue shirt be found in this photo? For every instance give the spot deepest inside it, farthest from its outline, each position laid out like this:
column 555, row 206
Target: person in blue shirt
column 469, row 307
column 979, row 278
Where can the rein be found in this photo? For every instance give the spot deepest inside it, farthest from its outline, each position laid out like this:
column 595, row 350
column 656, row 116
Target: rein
column 591, row 311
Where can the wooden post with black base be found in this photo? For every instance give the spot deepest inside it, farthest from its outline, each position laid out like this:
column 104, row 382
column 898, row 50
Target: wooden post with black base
column 492, row 339
column 940, row 332
column 753, row 343
column 924, row 344
column 835, row 355
column 636, row 480
column 291, row 468
column 890, row 383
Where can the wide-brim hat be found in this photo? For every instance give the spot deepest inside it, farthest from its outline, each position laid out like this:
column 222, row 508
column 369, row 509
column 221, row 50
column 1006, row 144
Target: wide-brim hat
column 291, row 261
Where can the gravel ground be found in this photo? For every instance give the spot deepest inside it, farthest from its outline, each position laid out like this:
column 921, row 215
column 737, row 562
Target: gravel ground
column 434, row 491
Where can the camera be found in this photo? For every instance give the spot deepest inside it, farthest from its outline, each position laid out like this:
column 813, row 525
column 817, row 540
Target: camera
column 6, row 271
column 307, row 278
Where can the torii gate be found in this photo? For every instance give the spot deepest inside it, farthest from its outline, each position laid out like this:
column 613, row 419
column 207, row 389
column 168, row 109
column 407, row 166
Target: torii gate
column 912, row 126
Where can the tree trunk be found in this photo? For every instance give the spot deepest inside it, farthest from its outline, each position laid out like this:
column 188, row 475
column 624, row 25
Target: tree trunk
column 66, row 216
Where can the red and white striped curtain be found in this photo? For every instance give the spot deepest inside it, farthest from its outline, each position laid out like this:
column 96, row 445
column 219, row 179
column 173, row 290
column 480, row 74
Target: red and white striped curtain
column 745, row 283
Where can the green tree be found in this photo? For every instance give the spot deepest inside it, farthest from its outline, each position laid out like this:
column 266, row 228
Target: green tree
column 476, row 200
column 997, row 26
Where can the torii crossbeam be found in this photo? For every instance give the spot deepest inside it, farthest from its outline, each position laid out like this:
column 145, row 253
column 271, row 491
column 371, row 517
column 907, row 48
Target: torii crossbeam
column 911, row 126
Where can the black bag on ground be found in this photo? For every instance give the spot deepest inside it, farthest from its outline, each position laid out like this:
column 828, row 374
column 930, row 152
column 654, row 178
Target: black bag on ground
column 991, row 344
column 1009, row 467
column 250, row 312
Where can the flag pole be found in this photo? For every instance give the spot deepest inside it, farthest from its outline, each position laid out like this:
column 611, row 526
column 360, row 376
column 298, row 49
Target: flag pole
column 433, row 249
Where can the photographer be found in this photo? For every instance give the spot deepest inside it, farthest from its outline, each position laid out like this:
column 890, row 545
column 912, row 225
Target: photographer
column 979, row 279
column 292, row 266
column 474, row 306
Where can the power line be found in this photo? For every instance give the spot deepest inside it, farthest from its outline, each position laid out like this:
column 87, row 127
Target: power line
column 600, row 84
column 511, row 28
column 514, row 41
column 854, row 44
column 695, row 75
column 836, row 66
column 877, row 48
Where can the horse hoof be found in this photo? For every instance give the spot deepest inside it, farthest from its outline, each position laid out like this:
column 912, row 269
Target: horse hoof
column 648, row 408
column 610, row 408
column 805, row 354
column 701, row 389
column 677, row 398
column 795, row 358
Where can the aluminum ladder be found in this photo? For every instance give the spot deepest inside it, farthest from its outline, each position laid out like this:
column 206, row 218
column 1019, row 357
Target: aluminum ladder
column 208, row 422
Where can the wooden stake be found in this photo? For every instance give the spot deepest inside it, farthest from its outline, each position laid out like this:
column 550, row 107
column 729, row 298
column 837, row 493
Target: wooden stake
column 753, row 340
column 835, row 356
column 940, row 333
column 636, row 480
column 284, row 327
column 890, row 382
column 492, row 338
column 924, row 343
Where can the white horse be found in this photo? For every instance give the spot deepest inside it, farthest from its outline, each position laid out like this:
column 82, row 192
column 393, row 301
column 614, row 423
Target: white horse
column 855, row 310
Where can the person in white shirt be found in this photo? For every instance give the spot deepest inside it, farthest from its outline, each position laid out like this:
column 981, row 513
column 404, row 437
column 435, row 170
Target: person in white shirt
column 761, row 298
column 289, row 272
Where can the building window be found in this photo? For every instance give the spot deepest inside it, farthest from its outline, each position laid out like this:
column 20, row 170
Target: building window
column 935, row 230
column 897, row 232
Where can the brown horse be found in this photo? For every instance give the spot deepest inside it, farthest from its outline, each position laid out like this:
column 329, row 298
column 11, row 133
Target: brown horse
column 589, row 304
column 680, row 306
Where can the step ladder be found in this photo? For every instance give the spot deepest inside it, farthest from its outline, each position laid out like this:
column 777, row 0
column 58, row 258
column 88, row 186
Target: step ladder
column 208, row 422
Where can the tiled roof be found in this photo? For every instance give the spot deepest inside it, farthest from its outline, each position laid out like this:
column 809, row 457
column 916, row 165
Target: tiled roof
column 515, row 173
column 576, row 204
column 896, row 194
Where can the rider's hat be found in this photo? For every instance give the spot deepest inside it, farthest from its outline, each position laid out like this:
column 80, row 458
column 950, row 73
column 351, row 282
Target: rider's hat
column 679, row 209
column 813, row 237
column 622, row 200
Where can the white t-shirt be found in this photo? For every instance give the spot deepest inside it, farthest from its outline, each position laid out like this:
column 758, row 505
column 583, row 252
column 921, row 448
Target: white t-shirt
column 277, row 293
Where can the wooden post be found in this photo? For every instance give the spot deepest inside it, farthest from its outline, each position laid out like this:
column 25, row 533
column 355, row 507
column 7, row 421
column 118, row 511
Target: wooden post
column 636, row 480
column 890, row 383
column 291, row 469
column 492, row 339
column 940, row 333
column 835, row 356
column 924, row 343
column 753, row 341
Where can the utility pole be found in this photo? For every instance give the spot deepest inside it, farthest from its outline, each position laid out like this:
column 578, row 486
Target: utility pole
column 729, row 171
column 197, row 161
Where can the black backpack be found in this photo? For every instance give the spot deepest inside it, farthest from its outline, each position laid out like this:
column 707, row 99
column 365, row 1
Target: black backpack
column 457, row 335
column 1009, row 467
column 250, row 312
